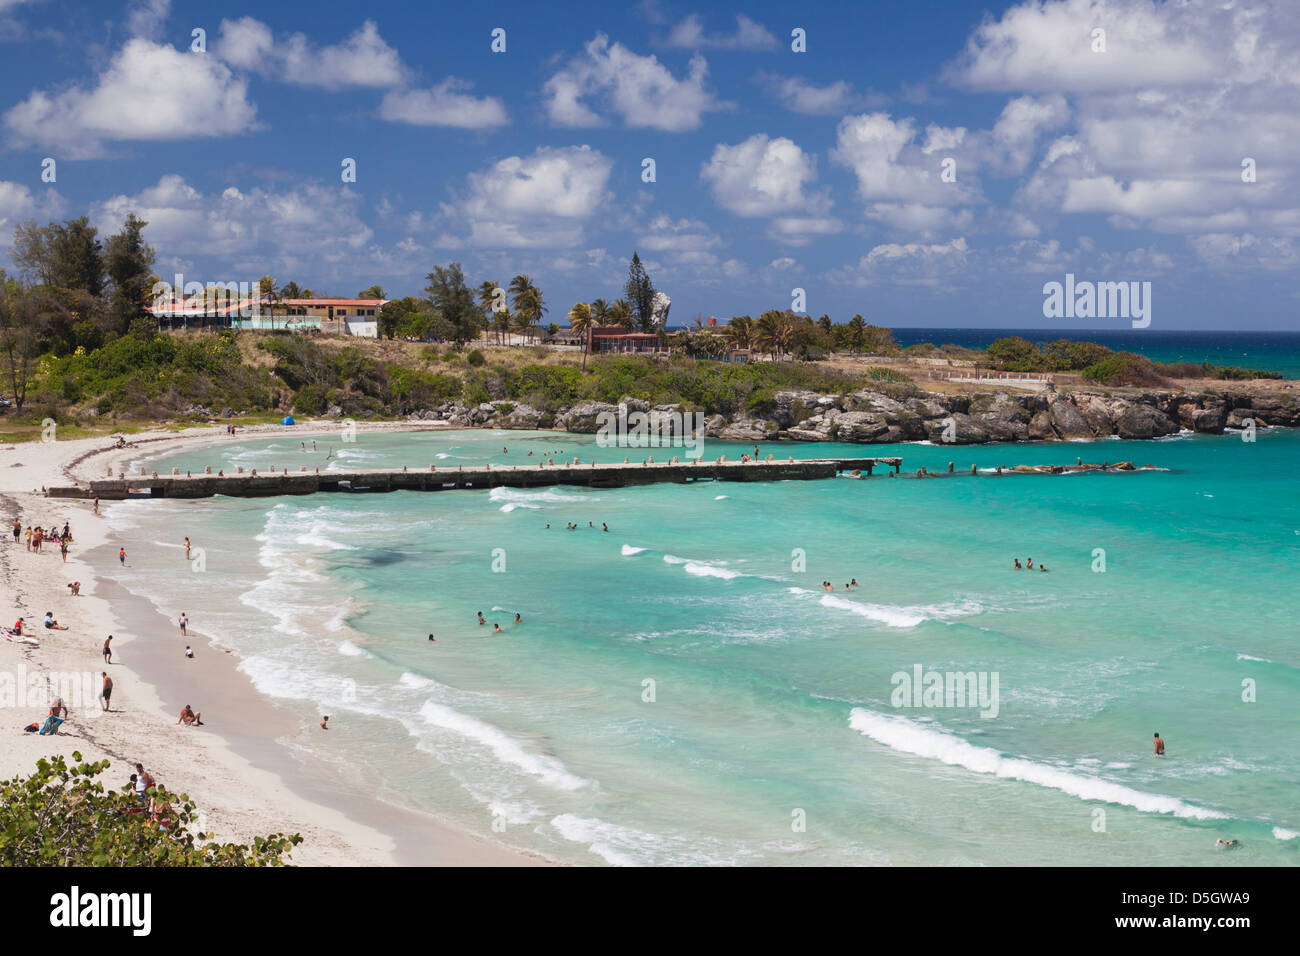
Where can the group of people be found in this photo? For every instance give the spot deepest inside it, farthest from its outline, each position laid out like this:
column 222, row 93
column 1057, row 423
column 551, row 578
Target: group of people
column 39, row 535
column 573, row 526
column 1029, row 565
column 827, row 586
column 496, row 628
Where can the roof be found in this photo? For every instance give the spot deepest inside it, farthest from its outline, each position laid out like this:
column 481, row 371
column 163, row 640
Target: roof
column 357, row 302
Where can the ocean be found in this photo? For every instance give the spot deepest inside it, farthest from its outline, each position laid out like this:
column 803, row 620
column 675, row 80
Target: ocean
column 682, row 690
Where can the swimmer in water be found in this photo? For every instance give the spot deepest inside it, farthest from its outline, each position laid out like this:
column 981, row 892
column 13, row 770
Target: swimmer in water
column 1029, row 563
column 1042, row 567
column 1160, row 745
column 1018, row 567
column 480, row 618
column 518, row 618
column 496, row 628
column 432, row 638
column 603, row 526
column 854, row 582
column 1225, row 843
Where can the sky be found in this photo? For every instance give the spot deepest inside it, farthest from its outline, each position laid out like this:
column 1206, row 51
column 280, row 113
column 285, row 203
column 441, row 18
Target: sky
column 920, row 163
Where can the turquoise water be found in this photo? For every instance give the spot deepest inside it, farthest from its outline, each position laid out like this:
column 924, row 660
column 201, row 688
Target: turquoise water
column 773, row 699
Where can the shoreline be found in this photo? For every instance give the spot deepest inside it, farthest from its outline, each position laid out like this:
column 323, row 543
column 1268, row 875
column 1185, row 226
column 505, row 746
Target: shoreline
column 241, row 768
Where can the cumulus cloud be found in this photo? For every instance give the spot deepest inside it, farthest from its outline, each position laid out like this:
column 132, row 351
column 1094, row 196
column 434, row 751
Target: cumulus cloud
column 18, row 202
column 642, row 91
column 148, row 92
column 544, row 200
column 145, row 18
column 364, row 59
column 800, row 95
column 912, row 263
column 447, row 104
column 749, row 35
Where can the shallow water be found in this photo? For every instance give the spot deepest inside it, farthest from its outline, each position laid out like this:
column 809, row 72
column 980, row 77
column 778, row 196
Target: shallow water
column 773, row 702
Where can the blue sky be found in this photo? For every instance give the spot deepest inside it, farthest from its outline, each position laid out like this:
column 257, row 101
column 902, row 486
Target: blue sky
column 774, row 169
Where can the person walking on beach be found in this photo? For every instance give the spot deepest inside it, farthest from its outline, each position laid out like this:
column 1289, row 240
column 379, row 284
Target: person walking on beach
column 96, row 511
column 18, row 529
column 108, row 651
column 1160, row 745
column 63, row 549
column 121, row 556
column 107, row 692
column 184, row 622
column 187, row 549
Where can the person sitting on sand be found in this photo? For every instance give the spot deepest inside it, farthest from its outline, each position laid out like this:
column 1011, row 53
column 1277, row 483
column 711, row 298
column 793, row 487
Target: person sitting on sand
column 324, row 722
column 189, row 652
column 51, row 624
column 17, row 629
column 189, row 718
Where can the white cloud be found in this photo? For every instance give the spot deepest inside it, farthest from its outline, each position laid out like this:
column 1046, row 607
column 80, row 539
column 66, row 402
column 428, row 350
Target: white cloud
column 677, row 236
column 447, row 104
column 639, row 89
column 909, row 264
column 749, row 35
column 18, row 202
column 1227, row 251
column 145, row 18
column 762, row 177
column 1048, row 46
column 540, row 201
column 800, row 95
column 310, row 228
column 148, row 92
column 362, row 60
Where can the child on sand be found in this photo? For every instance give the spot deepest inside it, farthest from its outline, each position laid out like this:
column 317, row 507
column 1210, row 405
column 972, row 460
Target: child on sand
column 121, row 556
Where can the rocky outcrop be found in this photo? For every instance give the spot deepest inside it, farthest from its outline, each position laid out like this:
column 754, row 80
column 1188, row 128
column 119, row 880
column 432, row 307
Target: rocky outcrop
column 870, row 417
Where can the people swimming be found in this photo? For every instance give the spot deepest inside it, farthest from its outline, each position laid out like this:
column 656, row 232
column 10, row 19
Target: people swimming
column 432, row 638
column 496, row 628
column 1225, row 844
column 480, row 618
column 518, row 618
column 1160, row 745
column 1017, row 561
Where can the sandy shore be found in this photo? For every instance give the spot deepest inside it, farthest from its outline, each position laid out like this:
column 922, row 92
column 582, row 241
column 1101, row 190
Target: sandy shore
column 241, row 768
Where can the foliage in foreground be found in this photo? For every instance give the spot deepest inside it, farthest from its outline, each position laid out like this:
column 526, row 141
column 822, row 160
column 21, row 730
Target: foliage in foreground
column 64, row 816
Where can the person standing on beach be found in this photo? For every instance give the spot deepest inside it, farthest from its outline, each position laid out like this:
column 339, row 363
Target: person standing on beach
column 187, row 549
column 121, row 556
column 184, row 622
column 63, row 549
column 18, row 529
column 1160, row 745
column 108, row 651
column 107, row 691
column 142, row 784
column 96, row 511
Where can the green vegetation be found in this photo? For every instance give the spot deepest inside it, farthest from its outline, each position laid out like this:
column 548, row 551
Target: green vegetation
column 64, row 816
column 1097, row 363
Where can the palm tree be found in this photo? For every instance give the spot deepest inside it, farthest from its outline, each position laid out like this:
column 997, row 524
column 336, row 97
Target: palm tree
column 740, row 332
column 268, row 288
column 620, row 313
column 374, row 292
column 580, row 322
column 527, row 300
column 857, row 328
column 600, row 311
column 774, row 333
column 498, row 319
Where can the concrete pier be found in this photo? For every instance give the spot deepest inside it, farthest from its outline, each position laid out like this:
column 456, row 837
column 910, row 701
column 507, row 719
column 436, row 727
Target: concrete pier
column 265, row 484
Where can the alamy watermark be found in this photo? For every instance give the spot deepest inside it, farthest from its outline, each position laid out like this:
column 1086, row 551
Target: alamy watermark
column 1098, row 300
column 922, row 688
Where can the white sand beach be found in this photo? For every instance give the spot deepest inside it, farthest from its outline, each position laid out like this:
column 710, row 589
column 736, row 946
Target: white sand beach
column 241, row 767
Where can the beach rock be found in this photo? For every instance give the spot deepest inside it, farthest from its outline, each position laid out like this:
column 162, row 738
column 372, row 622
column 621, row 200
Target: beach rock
column 802, row 434
column 634, row 404
column 1143, row 421
column 333, row 411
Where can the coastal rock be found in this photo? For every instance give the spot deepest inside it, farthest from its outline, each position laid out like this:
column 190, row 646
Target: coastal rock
column 1097, row 415
column 585, row 417
column 750, row 429
column 802, row 434
column 1143, row 421
column 1209, row 420
column 1040, row 427
column 860, row 426
column 957, row 429
column 1068, row 421
column 634, row 404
